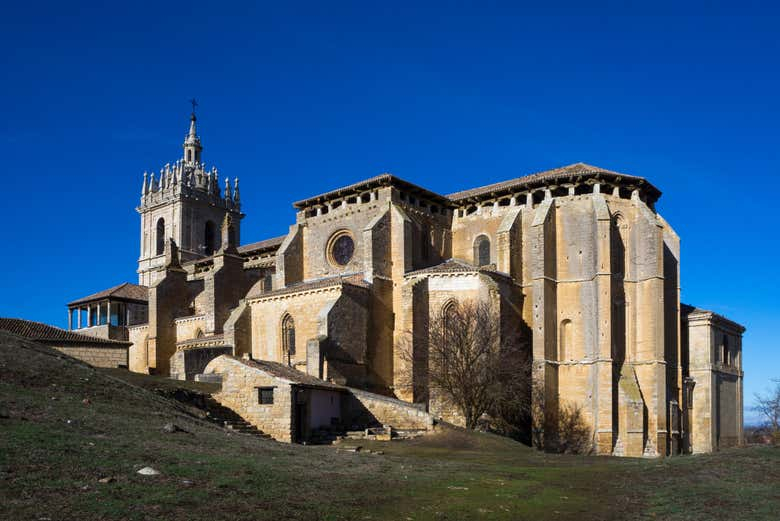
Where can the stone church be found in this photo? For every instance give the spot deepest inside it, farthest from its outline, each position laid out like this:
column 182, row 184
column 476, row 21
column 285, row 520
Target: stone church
column 576, row 258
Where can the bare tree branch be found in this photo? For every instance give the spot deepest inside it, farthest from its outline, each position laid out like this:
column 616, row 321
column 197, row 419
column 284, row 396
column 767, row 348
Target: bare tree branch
column 460, row 359
column 768, row 406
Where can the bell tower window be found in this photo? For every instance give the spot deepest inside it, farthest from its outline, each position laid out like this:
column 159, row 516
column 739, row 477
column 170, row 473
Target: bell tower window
column 209, row 236
column 160, row 236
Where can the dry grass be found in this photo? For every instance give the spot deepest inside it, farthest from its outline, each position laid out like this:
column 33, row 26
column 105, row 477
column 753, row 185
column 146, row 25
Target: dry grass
column 55, row 448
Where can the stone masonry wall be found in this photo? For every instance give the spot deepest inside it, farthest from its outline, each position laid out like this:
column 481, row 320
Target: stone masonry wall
column 186, row 363
column 362, row 407
column 137, row 354
column 239, row 393
column 97, row 356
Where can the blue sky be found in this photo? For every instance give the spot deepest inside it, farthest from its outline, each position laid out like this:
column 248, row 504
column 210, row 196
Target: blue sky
column 299, row 98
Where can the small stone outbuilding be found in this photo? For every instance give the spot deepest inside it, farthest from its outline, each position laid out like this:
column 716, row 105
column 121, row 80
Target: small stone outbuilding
column 281, row 401
column 98, row 352
column 292, row 406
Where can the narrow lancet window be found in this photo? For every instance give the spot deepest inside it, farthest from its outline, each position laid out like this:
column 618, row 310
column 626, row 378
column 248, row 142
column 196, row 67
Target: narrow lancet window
column 208, row 239
column 482, row 251
column 288, row 339
column 160, row 236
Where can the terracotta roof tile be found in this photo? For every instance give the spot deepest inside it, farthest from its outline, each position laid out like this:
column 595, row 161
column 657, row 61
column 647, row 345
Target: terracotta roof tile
column 457, row 266
column 547, row 176
column 519, row 183
column 45, row 333
column 688, row 310
column 367, row 184
column 448, row 266
column 124, row 291
column 274, row 242
column 287, row 373
column 347, row 280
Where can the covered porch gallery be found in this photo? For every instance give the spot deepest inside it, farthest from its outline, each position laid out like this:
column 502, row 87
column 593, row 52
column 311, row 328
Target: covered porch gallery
column 117, row 307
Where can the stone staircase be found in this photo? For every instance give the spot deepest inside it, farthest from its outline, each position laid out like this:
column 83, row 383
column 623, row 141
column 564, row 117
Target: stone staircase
column 221, row 415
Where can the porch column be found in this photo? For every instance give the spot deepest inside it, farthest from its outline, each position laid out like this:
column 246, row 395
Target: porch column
column 89, row 316
column 70, row 319
column 108, row 313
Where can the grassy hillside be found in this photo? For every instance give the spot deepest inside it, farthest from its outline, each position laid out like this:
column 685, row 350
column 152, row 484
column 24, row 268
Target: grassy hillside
column 65, row 426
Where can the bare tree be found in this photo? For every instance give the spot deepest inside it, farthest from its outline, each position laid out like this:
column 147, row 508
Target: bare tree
column 463, row 362
column 768, row 406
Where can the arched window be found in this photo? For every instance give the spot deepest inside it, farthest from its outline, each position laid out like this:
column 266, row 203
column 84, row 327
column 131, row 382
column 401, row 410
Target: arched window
column 448, row 334
column 288, row 338
column 208, row 239
column 564, row 340
column 482, row 250
column 160, row 237
column 449, row 314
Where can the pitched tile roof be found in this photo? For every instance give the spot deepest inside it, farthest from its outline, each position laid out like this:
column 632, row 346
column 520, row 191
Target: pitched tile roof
column 557, row 174
column 367, row 184
column 448, row 266
column 355, row 279
column 124, row 291
column 46, row 334
column 687, row 310
column 274, row 242
column 287, row 373
column 457, row 266
column 564, row 173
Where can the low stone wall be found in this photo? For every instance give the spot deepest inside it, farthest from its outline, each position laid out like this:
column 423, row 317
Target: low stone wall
column 186, row 363
column 239, row 393
column 97, row 356
column 105, row 331
column 363, row 409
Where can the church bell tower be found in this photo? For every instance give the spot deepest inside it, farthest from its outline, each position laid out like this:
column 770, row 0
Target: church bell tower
column 184, row 203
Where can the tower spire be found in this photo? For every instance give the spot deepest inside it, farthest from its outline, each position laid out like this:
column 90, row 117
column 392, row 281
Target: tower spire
column 192, row 146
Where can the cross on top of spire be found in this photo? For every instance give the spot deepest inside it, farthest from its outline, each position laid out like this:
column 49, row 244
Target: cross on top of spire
column 192, row 146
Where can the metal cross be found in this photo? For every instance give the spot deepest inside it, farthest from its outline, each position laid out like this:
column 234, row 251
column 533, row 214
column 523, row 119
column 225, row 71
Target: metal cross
column 194, row 104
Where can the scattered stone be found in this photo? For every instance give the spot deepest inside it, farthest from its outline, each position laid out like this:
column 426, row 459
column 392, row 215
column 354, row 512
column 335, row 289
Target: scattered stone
column 85, row 488
column 149, row 471
column 187, row 482
column 108, row 479
column 170, row 428
column 353, row 449
column 379, row 452
column 451, row 487
column 86, row 401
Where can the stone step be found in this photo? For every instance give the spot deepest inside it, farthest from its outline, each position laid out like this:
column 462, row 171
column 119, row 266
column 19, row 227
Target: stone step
column 230, row 420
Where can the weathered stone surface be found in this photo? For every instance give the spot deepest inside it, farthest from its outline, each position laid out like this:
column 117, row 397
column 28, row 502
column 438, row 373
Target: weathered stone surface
column 575, row 261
